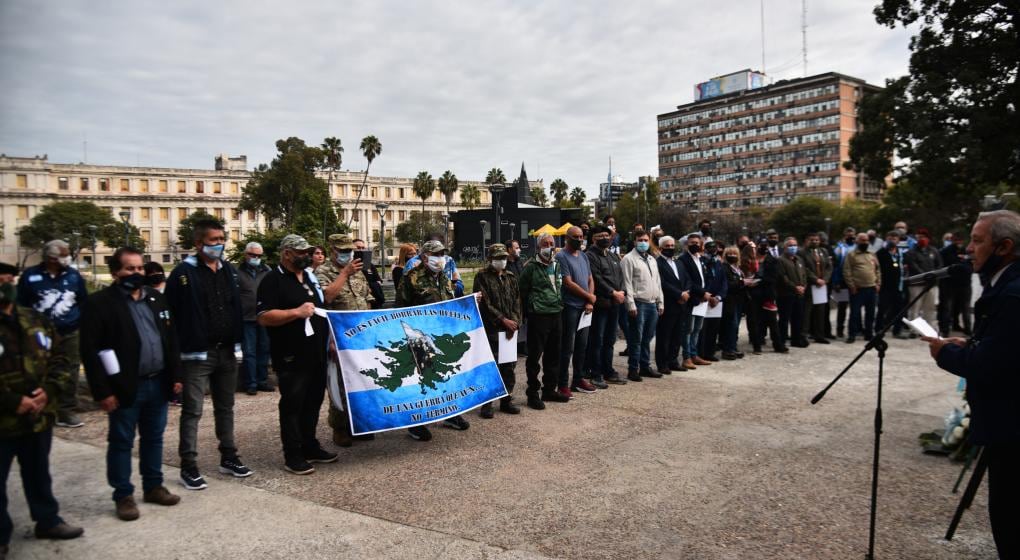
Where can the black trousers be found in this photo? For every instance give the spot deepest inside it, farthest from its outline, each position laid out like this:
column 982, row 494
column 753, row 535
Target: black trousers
column 954, row 302
column 815, row 323
column 709, row 337
column 506, row 371
column 841, row 315
column 759, row 321
column 33, row 454
column 889, row 302
column 791, row 315
column 1004, row 496
column 669, row 336
column 301, row 396
column 543, row 345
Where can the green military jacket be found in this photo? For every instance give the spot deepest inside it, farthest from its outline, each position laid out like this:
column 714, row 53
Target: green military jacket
column 541, row 287
column 501, row 298
column 26, row 363
column 421, row 286
column 354, row 296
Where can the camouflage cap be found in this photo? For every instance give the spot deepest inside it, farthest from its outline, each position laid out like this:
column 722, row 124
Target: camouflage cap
column 433, row 246
column 294, row 242
column 497, row 251
column 341, row 241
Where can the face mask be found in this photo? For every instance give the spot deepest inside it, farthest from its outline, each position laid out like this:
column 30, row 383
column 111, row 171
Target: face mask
column 64, row 261
column 584, row 244
column 612, row 227
column 791, row 250
column 922, row 243
column 499, row 264
column 641, row 246
column 602, row 243
column 707, row 231
column 849, row 240
column 731, row 259
column 343, row 259
column 435, row 263
column 255, row 261
column 573, row 244
column 890, row 245
column 989, row 269
column 947, row 243
column 694, row 249
column 546, row 253
column 515, row 252
column 131, row 282
column 7, row 293
column 668, row 253
column 773, row 242
column 155, row 279
column 213, row 251
column 862, row 246
column 301, row 262
column 813, row 244
column 871, row 238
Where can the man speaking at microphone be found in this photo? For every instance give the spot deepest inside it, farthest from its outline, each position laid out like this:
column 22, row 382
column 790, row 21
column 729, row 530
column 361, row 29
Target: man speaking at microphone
column 990, row 363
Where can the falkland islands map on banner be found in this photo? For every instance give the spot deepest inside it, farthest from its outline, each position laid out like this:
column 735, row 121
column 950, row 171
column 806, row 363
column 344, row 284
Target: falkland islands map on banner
column 414, row 365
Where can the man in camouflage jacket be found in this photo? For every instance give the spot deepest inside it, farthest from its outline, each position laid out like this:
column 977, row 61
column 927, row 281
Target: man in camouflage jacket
column 501, row 315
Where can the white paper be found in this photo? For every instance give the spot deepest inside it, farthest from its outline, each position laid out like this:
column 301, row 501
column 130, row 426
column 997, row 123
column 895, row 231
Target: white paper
column 921, row 327
column 841, row 296
column 700, row 309
column 585, row 321
column 714, row 312
column 110, row 363
column 819, row 295
column 507, row 347
column 309, row 331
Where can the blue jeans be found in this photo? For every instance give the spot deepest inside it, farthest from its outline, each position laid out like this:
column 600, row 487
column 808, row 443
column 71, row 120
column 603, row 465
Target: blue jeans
column 148, row 415
column 639, row 337
column 33, row 453
column 732, row 311
column 865, row 297
column 255, row 347
column 692, row 332
column 573, row 343
column 600, row 342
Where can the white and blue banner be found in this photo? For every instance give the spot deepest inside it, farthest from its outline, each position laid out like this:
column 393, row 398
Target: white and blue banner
column 411, row 366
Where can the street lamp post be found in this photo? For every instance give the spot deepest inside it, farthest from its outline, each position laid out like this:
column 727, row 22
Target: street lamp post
column 496, row 189
column 828, row 225
column 482, row 223
column 76, row 236
column 513, row 226
column 446, row 229
column 125, row 216
column 381, row 208
column 92, row 233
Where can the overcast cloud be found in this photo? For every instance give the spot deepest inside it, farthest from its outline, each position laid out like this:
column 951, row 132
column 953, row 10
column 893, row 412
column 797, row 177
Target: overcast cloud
column 464, row 86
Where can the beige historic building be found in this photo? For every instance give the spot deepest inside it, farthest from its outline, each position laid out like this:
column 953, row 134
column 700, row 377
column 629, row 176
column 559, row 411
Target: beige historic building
column 158, row 198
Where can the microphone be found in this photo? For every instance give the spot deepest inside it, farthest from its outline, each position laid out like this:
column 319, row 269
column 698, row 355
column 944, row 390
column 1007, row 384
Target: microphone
column 951, row 271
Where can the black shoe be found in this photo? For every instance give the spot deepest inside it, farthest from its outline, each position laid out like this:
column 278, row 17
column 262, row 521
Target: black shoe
column 830, row 336
column 234, row 466
column 729, row 356
column 419, row 433
column 800, row 344
column 298, row 466
column 555, row 396
column 850, row 340
column 265, row 388
column 457, row 423
column 839, row 334
column 508, row 407
column 535, row 402
column 320, row 455
column 712, row 358
column 486, row 411
column 364, row 437
column 676, row 367
column 756, row 351
column 615, row 380
column 820, row 340
column 625, row 352
column 252, row 391
column 69, row 420
column 61, row 531
column 634, row 376
column 781, row 349
column 191, row 480
column 650, row 373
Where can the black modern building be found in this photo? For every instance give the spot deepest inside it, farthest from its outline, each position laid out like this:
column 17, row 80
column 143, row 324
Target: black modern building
column 517, row 215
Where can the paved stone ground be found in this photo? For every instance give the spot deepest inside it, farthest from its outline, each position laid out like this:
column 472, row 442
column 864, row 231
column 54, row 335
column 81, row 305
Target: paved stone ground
column 729, row 461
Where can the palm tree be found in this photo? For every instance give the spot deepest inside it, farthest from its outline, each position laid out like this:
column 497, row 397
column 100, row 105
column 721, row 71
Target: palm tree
column 424, row 186
column 333, row 152
column 577, row 196
column 448, row 185
column 495, row 177
column 370, row 147
column 558, row 189
column 539, row 196
column 470, row 196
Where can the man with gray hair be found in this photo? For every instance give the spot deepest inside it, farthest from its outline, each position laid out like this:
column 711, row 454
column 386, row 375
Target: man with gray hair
column 55, row 289
column 255, row 343
column 988, row 361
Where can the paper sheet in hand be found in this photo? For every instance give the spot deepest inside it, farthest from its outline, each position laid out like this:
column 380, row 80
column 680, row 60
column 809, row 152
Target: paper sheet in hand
column 921, row 327
column 507, row 348
column 700, row 309
column 714, row 312
column 819, row 295
column 110, row 363
column 841, row 296
column 585, row 321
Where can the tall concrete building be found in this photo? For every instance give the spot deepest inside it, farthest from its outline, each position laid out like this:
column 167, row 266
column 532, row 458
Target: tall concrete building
column 743, row 144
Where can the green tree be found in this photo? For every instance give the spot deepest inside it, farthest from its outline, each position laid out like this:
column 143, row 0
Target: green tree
column 60, row 220
column 495, row 177
column 448, row 185
column 538, row 195
column 578, row 196
column 370, row 148
column 186, row 229
column 424, row 186
column 288, row 192
column 802, row 216
column 332, row 151
column 637, row 205
column 419, row 226
column 558, row 189
column 270, row 241
column 470, row 196
column 952, row 123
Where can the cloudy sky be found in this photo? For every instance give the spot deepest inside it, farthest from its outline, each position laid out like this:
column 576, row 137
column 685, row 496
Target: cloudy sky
column 465, row 86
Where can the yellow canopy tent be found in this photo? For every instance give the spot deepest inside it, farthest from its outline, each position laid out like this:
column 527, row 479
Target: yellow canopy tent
column 543, row 230
column 563, row 229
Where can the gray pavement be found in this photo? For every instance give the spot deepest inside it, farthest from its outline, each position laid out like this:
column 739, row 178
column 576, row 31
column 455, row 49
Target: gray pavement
column 729, row 461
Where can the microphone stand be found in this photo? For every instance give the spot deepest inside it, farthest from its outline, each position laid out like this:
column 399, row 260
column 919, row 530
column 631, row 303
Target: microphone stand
column 880, row 345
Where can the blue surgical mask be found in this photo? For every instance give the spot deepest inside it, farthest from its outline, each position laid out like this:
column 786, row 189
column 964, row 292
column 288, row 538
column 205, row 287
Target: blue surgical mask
column 641, row 246
column 343, row 259
column 213, row 251
column 255, row 261
column 791, row 250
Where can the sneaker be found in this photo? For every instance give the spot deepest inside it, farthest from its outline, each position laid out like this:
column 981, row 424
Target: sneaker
column 633, row 376
column 234, row 466
column 535, row 402
column 158, row 495
column 320, row 455
column 191, row 480
column 486, row 411
column 584, row 386
column 175, row 402
column 599, row 384
column 457, row 423
column 769, row 306
column 127, row 509
column 616, row 380
column 69, row 421
column 508, row 407
column 61, row 531
column 298, row 466
column 419, row 433
column 565, row 391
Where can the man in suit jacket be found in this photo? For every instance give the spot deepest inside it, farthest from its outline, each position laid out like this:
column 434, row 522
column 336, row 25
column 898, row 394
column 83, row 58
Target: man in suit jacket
column 131, row 322
column 669, row 334
column 790, row 292
column 818, row 266
column 988, row 361
column 691, row 263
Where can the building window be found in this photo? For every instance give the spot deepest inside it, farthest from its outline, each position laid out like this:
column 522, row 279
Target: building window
column 341, row 190
column 200, row 187
column 182, row 186
column 236, row 213
column 146, row 236
column 21, row 181
column 182, row 213
column 251, row 215
column 217, row 187
column 389, row 192
column 143, row 185
column 400, row 193
column 125, row 185
column 164, row 185
column 22, row 212
column 84, row 182
column 62, row 183
column 104, row 185
column 146, row 214
column 218, row 212
column 166, row 259
column 375, row 192
column 234, row 188
column 164, row 238
column 164, row 214
column 235, row 235
column 389, row 215
column 402, row 215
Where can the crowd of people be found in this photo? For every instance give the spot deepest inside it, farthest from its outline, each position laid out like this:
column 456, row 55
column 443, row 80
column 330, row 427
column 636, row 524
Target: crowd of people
column 210, row 327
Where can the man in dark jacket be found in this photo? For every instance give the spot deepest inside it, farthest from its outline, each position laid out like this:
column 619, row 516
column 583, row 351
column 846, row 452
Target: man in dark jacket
column 954, row 292
column 131, row 359
column 609, row 294
column 790, row 292
column 920, row 259
column 988, row 361
column 669, row 330
column 31, row 378
column 690, row 260
column 255, row 348
column 203, row 294
column 818, row 266
column 501, row 314
column 717, row 285
column 890, row 295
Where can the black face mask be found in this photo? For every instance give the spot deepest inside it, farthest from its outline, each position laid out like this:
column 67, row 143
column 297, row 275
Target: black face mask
column 602, row 243
column 8, row 293
column 668, row 253
column 773, row 242
column 731, row 259
column 131, row 282
column 301, row 262
column 155, row 279
column 989, row 269
column 862, row 246
column 849, row 240
column 694, row 249
column 890, row 245
column 573, row 244
column 707, row 231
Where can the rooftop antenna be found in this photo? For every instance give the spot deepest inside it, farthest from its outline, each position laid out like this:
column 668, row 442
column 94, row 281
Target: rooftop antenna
column 763, row 36
column 803, row 33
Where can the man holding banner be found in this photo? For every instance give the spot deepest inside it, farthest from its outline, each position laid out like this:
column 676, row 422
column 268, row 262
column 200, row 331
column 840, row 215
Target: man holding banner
column 501, row 315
